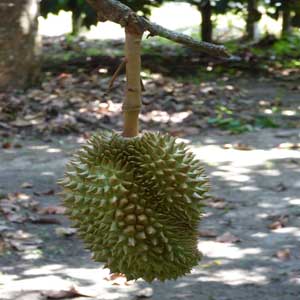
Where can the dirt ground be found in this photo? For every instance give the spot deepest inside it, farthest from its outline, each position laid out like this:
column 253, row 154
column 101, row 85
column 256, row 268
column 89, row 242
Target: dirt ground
column 250, row 233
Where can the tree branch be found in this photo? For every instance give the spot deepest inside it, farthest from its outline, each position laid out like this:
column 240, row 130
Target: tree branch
column 117, row 12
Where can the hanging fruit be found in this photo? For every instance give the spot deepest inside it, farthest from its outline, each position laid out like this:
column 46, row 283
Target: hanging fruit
column 137, row 203
column 135, row 198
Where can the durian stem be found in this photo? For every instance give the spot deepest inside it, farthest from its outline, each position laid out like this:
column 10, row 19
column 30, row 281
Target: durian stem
column 132, row 102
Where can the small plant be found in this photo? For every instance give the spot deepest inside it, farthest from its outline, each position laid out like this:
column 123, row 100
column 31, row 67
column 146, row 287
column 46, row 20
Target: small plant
column 225, row 120
column 289, row 46
column 265, row 122
column 233, row 125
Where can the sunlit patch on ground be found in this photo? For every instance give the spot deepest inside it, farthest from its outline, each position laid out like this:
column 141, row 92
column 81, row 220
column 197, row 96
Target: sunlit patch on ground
column 252, row 226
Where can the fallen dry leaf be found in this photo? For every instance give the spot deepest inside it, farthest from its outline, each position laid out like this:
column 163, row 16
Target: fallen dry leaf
column 117, row 279
column 283, row 254
column 238, row 146
column 44, row 220
column 52, row 210
column 227, row 237
column 18, row 196
column 6, row 145
column 208, row 233
column 114, row 276
column 3, row 246
column 11, row 211
column 275, row 225
column 18, row 146
column 19, row 235
column 22, row 241
column 16, row 217
column 289, row 146
column 216, row 202
column 50, row 192
column 26, row 185
column 22, row 200
column 31, row 204
column 212, row 264
column 279, row 223
column 25, row 245
column 65, row 231
column 7, row 206
column 21, row 123
column 72, row 292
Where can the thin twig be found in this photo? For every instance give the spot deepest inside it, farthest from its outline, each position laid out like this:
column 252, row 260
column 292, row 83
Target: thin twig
column 116, row 74
column 142, row 85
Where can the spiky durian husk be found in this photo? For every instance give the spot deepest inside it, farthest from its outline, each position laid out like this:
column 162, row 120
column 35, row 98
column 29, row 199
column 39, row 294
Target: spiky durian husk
column 136, row 203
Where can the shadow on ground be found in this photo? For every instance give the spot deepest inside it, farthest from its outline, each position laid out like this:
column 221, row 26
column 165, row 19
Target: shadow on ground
column 257, row 188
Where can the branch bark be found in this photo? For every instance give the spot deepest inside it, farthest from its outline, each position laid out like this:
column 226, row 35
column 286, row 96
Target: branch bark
column 132, row 103
column 117, row 12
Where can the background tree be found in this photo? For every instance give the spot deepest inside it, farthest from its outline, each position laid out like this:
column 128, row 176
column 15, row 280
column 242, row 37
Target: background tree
column 207, row 8
column 18, row 40
column 253, row 16
column 84, row 15
column 296, row 17
column 289, row 11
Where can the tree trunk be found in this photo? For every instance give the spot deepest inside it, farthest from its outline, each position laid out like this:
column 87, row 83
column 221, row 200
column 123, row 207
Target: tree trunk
column 19, row 47
column 206, row 25
column 251, row 19
column 286, row 18
column 76, row 23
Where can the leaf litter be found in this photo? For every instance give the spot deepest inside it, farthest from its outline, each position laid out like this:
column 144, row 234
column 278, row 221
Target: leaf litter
column 69, row 101
column 71, row 292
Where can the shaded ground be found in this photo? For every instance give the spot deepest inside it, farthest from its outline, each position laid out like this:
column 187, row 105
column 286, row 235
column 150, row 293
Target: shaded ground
column 73, row 94
column 255, row 199
column 250, row 233
column 78, row 103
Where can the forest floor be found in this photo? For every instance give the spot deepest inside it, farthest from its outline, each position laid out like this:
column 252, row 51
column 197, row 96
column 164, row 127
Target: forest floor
column 249, row 236
column 244, row 128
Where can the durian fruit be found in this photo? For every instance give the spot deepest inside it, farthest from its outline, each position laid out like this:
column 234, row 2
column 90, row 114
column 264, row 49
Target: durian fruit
column 136, row 203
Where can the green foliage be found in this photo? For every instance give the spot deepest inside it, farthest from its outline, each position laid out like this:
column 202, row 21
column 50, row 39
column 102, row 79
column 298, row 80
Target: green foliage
column 84, row 15
column 142, row 6
column 79, row 9
column 275, row 7
column 225, row 120
column 265, row 122
column 288, row 46
column 233, row 125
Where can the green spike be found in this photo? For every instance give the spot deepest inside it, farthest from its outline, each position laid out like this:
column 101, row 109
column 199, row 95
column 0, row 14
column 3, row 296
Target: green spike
column 113, row 180
column 141, row 235
column 129, row 230
column 123, row 202
column 150, row 230
column 142, row 219
column 130, row 219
